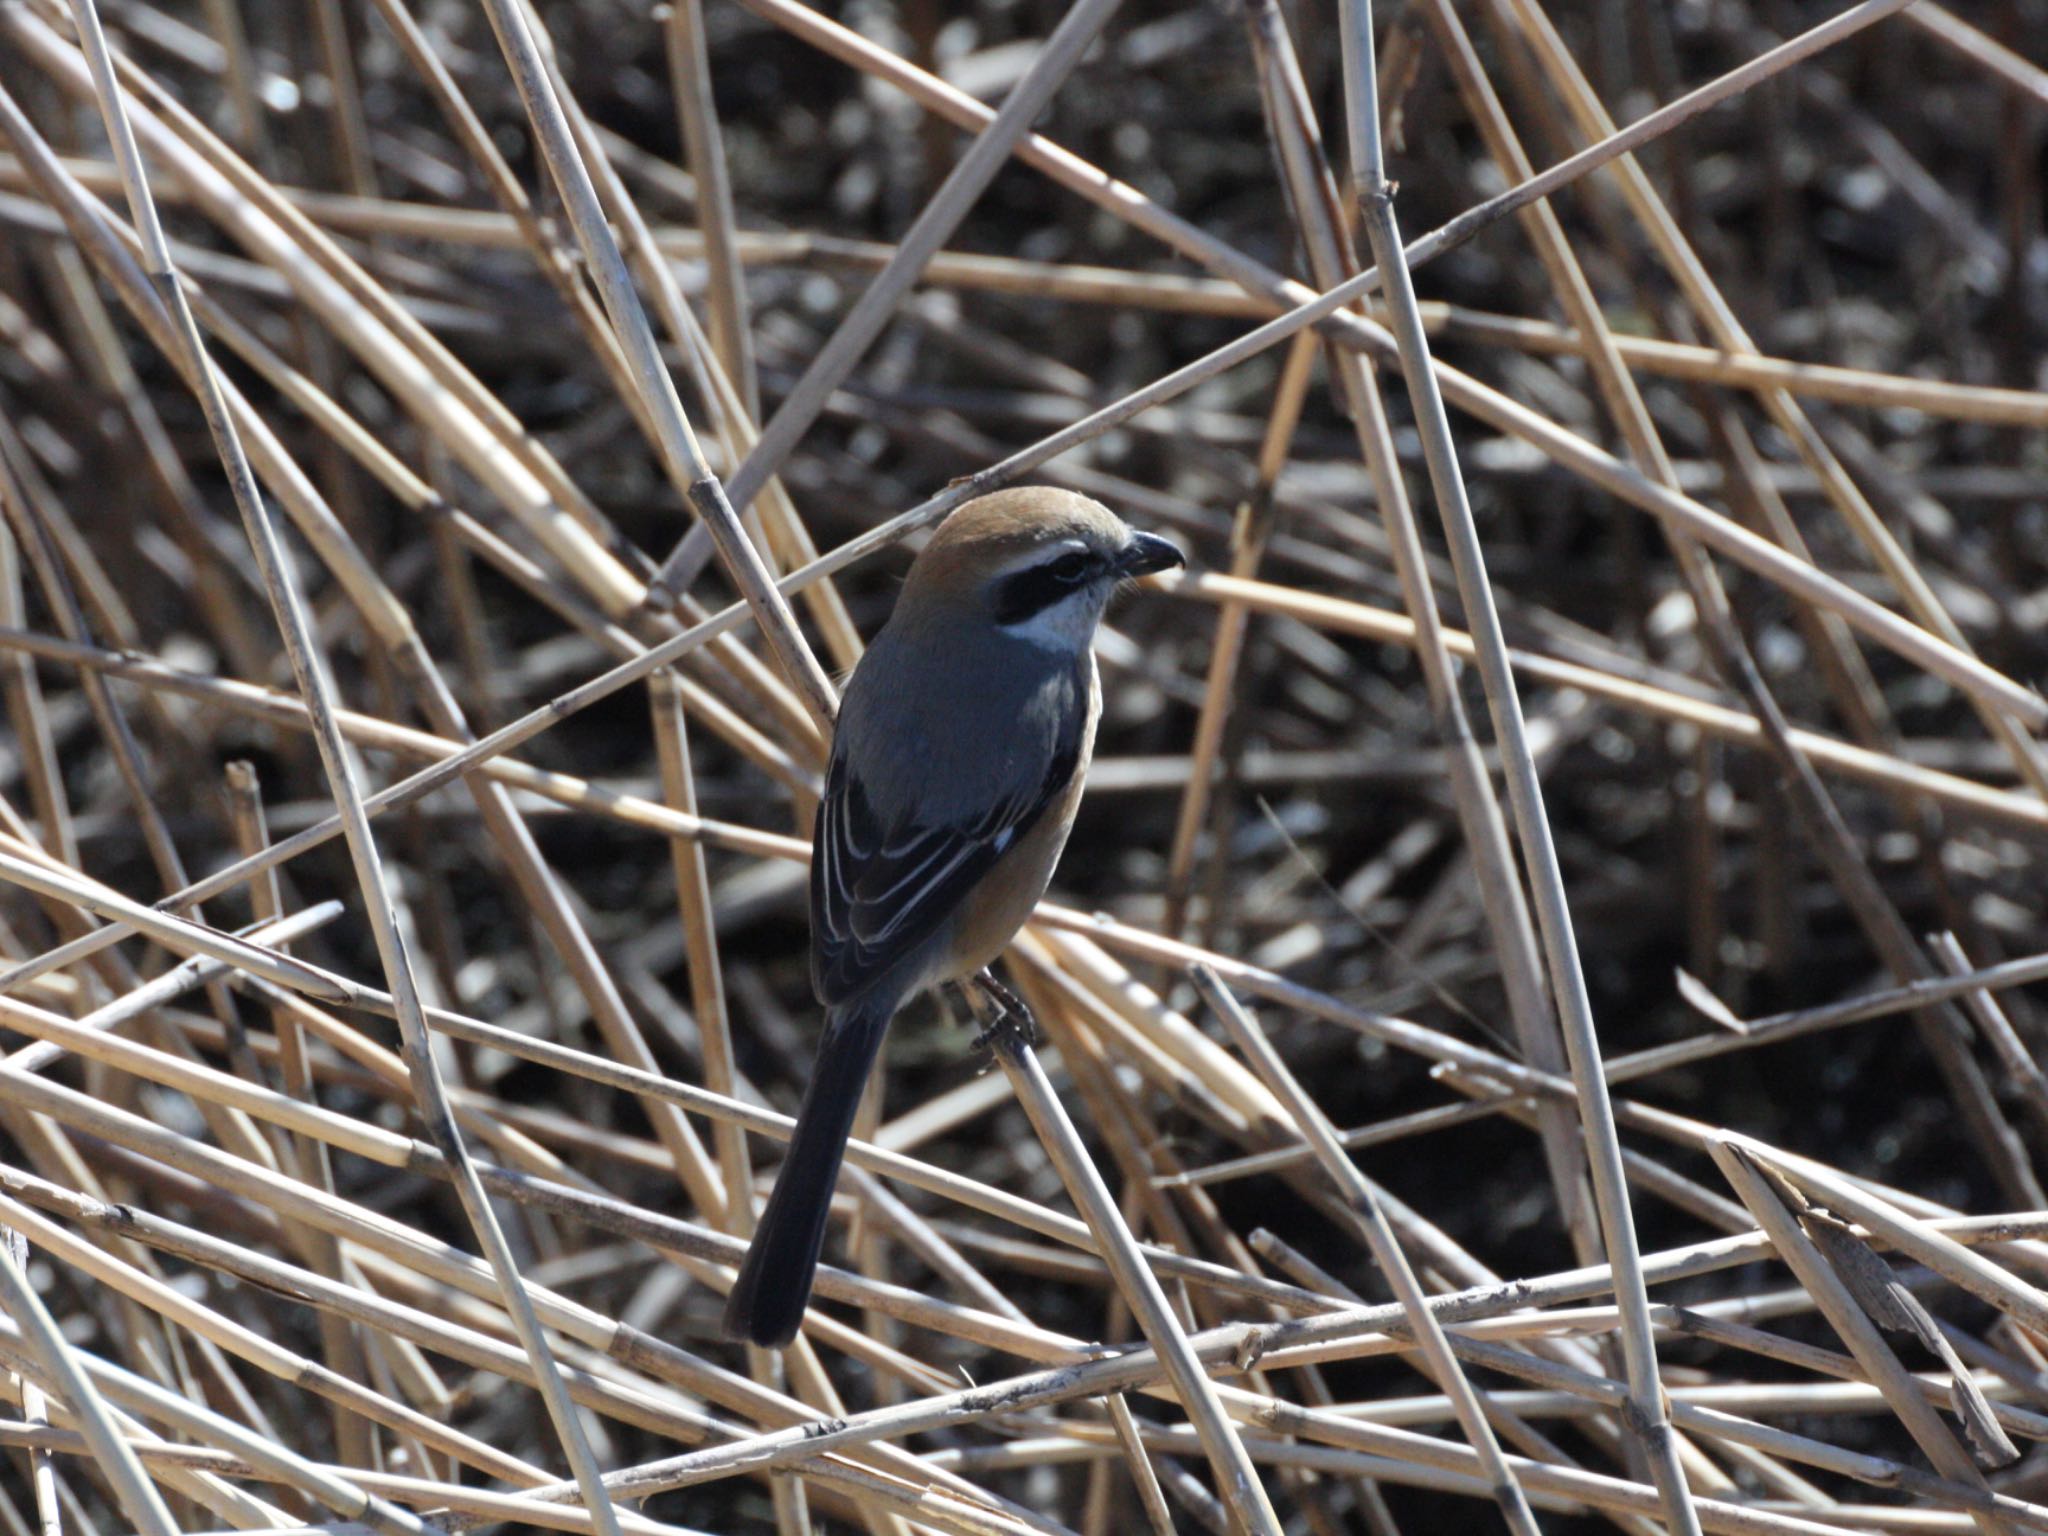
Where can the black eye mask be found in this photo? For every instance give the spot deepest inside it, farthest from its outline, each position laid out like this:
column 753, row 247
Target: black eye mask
column 1030, row 592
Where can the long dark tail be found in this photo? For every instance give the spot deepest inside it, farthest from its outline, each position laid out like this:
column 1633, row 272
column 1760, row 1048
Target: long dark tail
column 768, row 1300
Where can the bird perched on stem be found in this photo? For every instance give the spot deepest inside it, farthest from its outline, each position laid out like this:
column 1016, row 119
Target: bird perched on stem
column 956, row 769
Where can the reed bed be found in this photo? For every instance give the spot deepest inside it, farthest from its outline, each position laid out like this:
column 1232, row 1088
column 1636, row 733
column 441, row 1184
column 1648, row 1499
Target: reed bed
column 1537, row 1018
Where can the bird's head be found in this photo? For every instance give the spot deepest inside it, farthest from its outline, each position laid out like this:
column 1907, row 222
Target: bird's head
column 1036, row 563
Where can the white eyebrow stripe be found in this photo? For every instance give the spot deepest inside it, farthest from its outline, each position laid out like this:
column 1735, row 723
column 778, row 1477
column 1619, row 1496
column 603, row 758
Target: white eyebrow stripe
column 1041, row 554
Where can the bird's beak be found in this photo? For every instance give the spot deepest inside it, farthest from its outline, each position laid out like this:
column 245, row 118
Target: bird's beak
column 1146, row 553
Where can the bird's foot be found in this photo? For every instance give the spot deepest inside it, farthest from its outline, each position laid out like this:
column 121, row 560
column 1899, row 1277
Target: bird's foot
column 1002, row 1014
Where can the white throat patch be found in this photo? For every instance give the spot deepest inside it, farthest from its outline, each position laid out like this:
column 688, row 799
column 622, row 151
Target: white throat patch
column 1065, row 626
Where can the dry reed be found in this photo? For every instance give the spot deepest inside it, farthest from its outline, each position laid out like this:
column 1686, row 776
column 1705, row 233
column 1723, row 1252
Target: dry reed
column 395, row 1007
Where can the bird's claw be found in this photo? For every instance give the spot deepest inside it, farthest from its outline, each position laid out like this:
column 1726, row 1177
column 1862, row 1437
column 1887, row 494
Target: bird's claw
column 1005, row 1018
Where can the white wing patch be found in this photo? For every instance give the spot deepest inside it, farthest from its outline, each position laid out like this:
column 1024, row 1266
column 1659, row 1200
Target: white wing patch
column 875, row 897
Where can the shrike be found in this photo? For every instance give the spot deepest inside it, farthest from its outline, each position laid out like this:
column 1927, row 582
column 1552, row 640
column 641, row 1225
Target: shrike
column 956, row 769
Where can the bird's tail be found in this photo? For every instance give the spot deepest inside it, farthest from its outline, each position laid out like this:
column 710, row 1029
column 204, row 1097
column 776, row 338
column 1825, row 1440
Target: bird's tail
column 774, row 1286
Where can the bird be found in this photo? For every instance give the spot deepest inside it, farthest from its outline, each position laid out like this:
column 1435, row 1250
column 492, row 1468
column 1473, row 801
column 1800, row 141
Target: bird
column 956, row 767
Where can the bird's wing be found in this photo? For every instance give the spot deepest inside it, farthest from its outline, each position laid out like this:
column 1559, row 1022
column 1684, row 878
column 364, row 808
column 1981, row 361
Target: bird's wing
column 878, row 891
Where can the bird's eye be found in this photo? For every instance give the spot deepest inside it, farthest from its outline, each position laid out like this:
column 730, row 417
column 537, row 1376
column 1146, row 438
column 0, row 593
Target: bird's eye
column 1070, row 569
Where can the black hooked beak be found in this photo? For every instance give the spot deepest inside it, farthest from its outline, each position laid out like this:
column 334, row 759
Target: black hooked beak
column 1146, row 553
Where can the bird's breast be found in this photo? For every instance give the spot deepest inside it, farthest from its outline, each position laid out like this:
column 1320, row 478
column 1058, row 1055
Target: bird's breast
column 1002, row 902
column 943, row 726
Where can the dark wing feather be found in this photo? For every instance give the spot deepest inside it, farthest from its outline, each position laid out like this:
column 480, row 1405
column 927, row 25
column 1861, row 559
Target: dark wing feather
column 878, row 892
